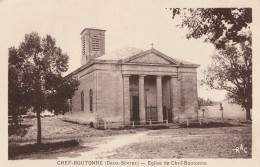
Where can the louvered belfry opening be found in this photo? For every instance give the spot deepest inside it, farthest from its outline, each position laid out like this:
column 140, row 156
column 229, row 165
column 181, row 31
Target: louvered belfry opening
column 95, row 43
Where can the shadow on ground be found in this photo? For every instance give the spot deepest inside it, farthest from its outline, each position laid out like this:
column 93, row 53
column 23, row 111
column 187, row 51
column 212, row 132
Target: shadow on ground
column 46, row 149
column 210, row 125
column 19, row 130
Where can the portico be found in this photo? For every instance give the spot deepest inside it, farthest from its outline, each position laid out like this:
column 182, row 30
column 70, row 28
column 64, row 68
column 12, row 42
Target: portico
column 148, row 89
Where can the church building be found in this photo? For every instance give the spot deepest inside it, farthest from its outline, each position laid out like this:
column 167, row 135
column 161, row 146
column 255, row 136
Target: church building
column 131, row 85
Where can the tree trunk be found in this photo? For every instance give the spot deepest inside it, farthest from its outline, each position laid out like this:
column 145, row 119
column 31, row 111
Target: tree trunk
column 248, row 116
column 39, row 132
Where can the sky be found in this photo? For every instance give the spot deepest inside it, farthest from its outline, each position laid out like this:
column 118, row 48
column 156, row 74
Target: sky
column 127, row 23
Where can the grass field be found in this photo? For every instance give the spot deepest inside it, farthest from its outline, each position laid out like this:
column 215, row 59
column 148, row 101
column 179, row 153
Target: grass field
column 57, row 132
column 216, row 140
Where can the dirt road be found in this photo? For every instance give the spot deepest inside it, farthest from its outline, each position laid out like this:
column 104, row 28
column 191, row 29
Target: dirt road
column 218, row 142
column 107, row 148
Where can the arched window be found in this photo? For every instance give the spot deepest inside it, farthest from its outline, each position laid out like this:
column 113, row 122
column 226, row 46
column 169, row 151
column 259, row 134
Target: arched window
column 82, row 101
column 91, row 100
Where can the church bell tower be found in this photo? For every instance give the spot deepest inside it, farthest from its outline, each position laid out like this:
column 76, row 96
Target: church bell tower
column 93, row 44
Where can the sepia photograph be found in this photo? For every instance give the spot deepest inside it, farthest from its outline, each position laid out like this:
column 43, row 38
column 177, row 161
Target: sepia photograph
column 127, row 83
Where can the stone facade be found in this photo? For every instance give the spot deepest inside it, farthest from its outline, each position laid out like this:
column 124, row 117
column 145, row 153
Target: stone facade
column 133, row 85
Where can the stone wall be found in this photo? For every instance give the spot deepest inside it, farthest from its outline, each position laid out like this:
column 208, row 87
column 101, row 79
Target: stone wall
column 88, row 51
column 109, row 96
column 231, row 111
column 188, row 94
column 87, row 82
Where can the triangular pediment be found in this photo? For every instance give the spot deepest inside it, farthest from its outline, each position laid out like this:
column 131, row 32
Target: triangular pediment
column 150, row 57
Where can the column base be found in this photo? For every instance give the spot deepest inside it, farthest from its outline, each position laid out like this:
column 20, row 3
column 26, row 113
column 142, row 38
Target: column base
column 175, row 115
column 160, row 118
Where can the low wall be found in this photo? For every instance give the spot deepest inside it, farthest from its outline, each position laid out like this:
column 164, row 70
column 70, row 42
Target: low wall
column 232, row 111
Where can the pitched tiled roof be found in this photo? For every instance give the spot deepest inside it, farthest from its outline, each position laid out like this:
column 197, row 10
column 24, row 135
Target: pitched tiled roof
column 120, row 54
column 126, row 52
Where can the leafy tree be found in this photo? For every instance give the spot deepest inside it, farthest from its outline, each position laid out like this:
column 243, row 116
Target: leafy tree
column 209, row 102
column 38, row 65
column 203, row 102
column 229, row 30
column 231, row 70
column 200, row 102
column 14, row 92
column 219, row 26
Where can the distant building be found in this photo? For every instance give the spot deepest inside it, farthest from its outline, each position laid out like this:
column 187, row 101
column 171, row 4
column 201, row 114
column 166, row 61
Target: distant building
column 130, row 84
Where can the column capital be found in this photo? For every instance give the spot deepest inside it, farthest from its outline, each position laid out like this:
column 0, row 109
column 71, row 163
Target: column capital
column 174, row 76
column 141, row 75
column 159, row 76
column 126, row 75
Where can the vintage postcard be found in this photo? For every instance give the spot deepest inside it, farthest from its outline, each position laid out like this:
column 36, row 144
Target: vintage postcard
column 129, row 83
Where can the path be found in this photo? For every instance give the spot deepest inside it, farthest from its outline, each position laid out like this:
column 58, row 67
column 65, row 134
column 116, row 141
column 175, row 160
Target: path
column 105, row 149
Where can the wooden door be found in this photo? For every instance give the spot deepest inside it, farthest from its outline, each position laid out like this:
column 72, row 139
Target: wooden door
column 135, row 102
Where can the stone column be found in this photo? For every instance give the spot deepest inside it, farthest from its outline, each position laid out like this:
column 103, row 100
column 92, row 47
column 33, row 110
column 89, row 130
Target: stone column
column 174, row 96
column 141, row 98
column 126, row 99
column 159, row 97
